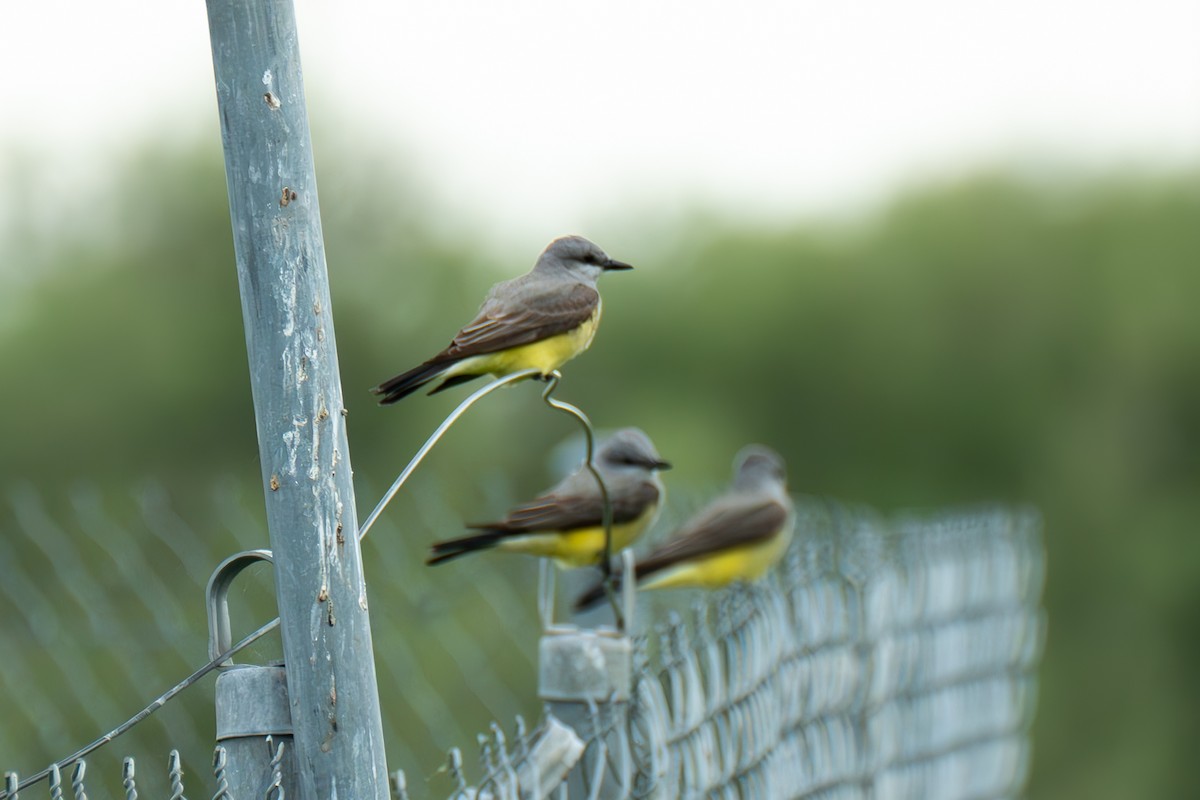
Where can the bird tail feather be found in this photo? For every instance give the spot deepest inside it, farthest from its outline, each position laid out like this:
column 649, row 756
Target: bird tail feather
column 597, row 593
column 448, row 549
column 453, row 380
column 590, row 598
column 406, row 383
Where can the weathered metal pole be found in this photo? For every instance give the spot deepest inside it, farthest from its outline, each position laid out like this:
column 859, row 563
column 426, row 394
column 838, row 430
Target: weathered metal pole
column 338, row 735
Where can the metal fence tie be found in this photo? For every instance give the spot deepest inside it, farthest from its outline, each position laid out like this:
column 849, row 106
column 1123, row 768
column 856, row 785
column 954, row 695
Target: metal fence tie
column 502, row 757
column 275, row 789
column 55, row 775
column 399, row 785
column 220, row 761
column 175, row 770
column 127, row 779
column 454, row 766
column 77, row 777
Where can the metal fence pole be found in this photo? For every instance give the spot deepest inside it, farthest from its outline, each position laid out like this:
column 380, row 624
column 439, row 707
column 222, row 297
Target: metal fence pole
column 338, row 745
column 254, row 714
column 254, row 728
column 585, row 677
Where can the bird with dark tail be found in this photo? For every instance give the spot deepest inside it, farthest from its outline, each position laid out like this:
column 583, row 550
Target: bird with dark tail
column 538, row 321
column 737, row 537
column 566, row 523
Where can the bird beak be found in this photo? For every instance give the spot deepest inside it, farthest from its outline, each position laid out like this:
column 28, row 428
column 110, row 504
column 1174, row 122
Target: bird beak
column 660, row 464
column 613, row 264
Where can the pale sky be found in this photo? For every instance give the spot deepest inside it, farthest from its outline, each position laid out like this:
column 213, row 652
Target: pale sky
column 538, row 115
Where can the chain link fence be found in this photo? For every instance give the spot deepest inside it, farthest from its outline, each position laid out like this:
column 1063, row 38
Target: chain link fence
column 884, row 658
column 104, row 598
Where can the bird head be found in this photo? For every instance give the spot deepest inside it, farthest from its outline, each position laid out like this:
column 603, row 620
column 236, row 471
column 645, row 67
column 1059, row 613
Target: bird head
column 630, row 447
column 757, row 466
column 577, row 256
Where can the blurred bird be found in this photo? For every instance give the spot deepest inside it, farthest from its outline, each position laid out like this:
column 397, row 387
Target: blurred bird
column 566, row 523
column 737, row 537
column 539, row 321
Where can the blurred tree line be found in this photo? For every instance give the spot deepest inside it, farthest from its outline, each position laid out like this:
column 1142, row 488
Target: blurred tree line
column 1003, row 337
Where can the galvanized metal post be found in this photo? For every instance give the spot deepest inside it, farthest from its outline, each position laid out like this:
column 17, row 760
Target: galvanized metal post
column 338, row 735
column 585, row 679
column 254, row 727
column 254, row 715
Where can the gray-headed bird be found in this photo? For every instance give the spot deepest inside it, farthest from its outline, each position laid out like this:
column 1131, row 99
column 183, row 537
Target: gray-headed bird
column 538, row 321
column 566, row 523
column 737, row 537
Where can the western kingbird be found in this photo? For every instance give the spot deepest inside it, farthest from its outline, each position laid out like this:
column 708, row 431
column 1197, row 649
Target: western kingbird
column 539, row 321
column 737, row 537
column 566, row 523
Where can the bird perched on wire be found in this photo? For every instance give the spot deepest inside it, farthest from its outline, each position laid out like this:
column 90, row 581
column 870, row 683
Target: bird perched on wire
column 566, row 523
column 538, row 321
column 737, row 537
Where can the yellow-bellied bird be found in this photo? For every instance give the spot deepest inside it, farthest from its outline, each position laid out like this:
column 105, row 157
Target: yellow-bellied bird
column 538, row 321
column 566, row 523
column 737, row 537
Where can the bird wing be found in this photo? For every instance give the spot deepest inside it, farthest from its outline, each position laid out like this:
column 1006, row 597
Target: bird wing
column 523, row 319
column 729, row 523
column 563, row 512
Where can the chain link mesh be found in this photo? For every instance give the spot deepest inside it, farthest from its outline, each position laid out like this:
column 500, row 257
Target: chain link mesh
column 881, row 660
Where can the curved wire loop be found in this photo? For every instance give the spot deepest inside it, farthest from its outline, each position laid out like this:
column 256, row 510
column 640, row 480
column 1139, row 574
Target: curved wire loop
column 220, row 633
column 552, row 382
column 434, row 438
column 547, row 603
column 546, row 592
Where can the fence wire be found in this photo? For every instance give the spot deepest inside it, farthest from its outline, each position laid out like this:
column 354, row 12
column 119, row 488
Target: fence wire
column 881, row 660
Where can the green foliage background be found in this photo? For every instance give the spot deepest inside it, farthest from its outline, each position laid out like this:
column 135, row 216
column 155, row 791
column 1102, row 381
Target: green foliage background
column 1008, row 337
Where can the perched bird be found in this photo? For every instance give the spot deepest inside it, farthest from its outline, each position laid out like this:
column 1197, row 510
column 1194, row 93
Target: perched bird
column 539, row 321
column 566, row 523
column 737, row 537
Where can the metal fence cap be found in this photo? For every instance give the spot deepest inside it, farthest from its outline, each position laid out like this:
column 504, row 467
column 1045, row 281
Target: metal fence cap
column 585, row 665
column 252, row 701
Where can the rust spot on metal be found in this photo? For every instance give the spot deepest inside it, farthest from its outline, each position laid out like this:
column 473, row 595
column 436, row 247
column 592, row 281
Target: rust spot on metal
column 322, row 415
column 341, row 539
column 323, row 595
column 272, row 101
column 274, row 483
column 332, row 619
column 287, row 196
